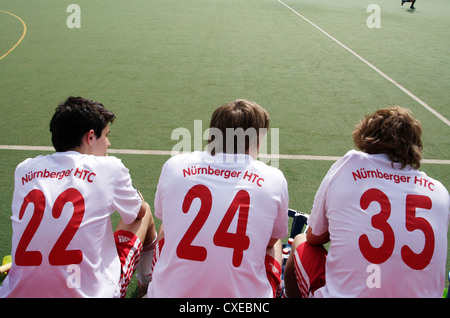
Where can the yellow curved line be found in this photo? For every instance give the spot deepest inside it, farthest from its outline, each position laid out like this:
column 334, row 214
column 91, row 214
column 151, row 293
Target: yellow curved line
column 21, row 38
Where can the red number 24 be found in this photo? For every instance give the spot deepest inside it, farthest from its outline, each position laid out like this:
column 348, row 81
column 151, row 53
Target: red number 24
column 238, row 241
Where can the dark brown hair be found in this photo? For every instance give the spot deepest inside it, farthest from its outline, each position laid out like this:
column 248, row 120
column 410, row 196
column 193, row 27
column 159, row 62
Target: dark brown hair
column 392, row 131
column 73, row 118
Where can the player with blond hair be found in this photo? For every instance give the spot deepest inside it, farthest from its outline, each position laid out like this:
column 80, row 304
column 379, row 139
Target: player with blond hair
column 223, row 213
column 386, row 221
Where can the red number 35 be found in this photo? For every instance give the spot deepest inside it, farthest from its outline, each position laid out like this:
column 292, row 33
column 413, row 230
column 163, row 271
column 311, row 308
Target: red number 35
column 378, row 255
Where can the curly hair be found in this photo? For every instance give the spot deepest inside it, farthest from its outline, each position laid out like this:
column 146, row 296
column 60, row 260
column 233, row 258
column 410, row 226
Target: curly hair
column 392, row 131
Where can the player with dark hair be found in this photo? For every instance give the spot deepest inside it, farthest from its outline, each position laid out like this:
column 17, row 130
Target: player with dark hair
column 63, row 243
column 412, row 3
column 386, row 221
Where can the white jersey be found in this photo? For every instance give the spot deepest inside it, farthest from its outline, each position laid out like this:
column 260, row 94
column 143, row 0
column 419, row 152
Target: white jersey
column 388, row 229
column 63, row 244
column 218, row 218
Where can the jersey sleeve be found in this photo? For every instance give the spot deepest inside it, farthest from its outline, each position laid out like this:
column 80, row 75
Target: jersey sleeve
column 126, row 200
column 159, row 192
column 280, row 229
column 318, row 220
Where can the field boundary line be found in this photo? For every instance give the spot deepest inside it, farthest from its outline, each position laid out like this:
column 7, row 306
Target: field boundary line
column 168, row 153
column 417, row 99
column 21, row 38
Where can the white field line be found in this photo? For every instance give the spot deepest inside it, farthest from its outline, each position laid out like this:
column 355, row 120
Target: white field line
column 168, row 153
column 421, row 102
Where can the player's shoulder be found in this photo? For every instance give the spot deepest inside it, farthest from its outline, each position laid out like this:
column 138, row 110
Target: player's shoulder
column 105, row 164
column 112, row 160
column 184, row 158
column 31, row 162
column 353, row 154
column 78, row 159
column 274, row 171
column 351, row 158
column 435, row 184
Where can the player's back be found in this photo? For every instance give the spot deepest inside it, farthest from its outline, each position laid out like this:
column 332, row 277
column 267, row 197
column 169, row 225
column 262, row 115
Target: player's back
column 218, row 217
column 62, row 243
column 388, row 230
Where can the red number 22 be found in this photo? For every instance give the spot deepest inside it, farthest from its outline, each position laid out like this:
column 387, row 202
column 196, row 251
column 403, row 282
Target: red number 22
column 58, row 255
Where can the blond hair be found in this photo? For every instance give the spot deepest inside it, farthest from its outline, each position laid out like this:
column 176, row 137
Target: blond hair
column 238, row 114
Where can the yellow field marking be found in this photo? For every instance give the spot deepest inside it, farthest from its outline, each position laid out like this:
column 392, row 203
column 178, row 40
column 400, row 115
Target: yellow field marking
column 21, row 38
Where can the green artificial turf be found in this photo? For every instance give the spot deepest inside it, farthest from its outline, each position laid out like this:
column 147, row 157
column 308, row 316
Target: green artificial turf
column 163, row 64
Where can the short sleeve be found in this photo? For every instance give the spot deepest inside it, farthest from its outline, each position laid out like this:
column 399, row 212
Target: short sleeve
column 126, row 200
column 160, row 192
column 280, row 229
column 318, row 220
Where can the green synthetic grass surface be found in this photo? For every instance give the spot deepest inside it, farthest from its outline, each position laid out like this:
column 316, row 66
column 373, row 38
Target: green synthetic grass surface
column 162, row 64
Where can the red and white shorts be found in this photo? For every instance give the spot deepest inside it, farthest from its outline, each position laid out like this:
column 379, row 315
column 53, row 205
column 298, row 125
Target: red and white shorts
column 273, row 272
column 309, row 265
column 129, row 249
column 273, row 268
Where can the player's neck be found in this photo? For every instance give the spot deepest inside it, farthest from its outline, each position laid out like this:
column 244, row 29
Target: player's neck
column 82, row 149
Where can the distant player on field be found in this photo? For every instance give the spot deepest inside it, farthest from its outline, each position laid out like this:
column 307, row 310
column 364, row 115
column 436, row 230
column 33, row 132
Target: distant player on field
column 412, row 3
column 386, row 221
column 63, row 243
column 223, row 213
